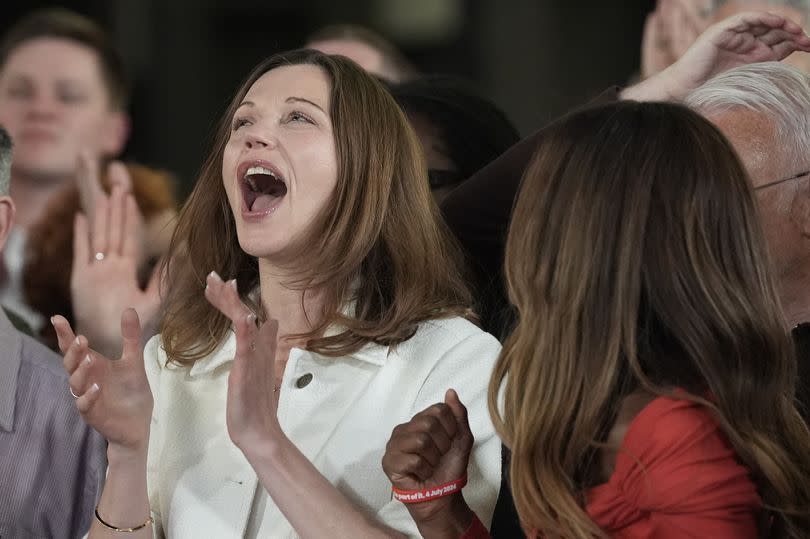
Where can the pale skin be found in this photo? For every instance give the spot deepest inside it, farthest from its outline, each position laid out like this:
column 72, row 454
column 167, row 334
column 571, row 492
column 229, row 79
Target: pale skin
column 283, row 120
column 784, row 207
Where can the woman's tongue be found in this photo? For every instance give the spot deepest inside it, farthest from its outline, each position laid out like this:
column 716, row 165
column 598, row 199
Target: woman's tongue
column 263, row 202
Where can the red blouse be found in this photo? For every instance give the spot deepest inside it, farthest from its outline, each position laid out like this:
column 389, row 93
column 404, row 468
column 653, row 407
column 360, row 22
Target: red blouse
column 676, row 476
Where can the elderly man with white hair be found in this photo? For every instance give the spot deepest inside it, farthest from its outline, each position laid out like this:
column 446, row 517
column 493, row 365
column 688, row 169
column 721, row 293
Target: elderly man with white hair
column 764, row 110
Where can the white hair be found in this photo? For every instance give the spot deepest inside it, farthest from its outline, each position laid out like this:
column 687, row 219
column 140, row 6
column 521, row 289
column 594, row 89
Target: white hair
column 5, row 161
column 802, row 6
column 774, row 89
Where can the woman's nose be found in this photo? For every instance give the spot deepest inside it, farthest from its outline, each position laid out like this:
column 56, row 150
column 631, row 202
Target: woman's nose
column 258, row 140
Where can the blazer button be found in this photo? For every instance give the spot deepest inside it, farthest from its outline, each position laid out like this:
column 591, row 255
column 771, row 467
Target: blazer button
column 303, row 381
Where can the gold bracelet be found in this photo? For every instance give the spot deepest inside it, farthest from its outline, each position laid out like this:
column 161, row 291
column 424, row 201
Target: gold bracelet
column 125, row 530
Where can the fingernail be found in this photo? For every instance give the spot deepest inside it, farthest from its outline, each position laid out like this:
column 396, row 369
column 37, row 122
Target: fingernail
column 94, row 388
column 78, row 341
column 52, row 321
column 87, row 359
column 233, row 284
column 215, row 275
column 251, row 318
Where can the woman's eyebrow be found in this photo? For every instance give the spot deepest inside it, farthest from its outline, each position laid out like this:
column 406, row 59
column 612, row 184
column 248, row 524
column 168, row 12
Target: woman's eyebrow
column 293, row 99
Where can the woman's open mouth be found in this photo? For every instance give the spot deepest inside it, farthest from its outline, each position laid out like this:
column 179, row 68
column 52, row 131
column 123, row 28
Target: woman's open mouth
column 262, row 189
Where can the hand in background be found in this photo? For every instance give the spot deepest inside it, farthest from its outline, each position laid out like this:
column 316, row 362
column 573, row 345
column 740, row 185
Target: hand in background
column 103, row 281
column 669, row 31
column 433, row 449
column 743, row 39
column 113, row 395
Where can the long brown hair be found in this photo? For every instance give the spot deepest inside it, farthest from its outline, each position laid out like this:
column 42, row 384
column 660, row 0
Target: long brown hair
column 380, row 244
column 636, row 261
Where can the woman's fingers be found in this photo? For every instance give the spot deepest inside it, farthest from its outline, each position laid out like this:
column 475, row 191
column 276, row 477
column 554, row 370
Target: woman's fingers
column 459, row 412
column 130, row 240
column 118, row 176
column 116, row 221
column 75, row 353
column 407, row 464
column 64, row 333
column 245, row 328
column 81, row 244
column 131, row 335
column 79, row 379
column 99, row 225
column 224, row 296
column 86, row 401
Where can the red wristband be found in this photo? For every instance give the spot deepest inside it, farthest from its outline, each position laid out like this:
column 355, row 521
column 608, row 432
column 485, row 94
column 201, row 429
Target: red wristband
column 427, row 494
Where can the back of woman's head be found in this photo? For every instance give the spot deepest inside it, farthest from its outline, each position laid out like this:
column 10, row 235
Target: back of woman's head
column 379, row 245
column 636, row 261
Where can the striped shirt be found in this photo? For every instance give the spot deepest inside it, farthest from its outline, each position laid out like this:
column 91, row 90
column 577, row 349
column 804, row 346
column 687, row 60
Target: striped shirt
column 51, row 463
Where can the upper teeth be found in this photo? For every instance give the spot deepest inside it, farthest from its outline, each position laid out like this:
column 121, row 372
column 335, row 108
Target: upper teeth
column 260, row 170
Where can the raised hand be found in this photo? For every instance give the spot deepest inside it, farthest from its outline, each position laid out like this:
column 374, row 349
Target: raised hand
column 669, row 31
column 743, row 39
column 104, row 278
column 431, row 449
column 113, row 396
column 251, row 406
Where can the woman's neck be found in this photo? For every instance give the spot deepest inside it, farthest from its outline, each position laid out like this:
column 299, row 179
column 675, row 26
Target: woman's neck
column 297, row 311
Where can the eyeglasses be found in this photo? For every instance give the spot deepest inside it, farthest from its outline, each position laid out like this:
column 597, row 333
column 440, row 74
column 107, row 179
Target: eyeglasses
column 777, row 182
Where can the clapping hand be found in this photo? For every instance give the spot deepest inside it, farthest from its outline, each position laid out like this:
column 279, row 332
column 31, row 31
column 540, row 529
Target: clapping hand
column 251, row 404
column 113, row 396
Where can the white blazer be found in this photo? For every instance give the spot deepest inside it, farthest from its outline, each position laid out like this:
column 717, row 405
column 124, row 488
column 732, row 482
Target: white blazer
column 339, row 412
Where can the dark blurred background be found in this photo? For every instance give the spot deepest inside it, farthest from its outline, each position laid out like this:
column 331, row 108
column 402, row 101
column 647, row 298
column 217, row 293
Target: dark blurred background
column 534, row 58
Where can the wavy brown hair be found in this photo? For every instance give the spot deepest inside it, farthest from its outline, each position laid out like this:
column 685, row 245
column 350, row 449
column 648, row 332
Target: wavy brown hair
column 636, row 262
column 380, row 245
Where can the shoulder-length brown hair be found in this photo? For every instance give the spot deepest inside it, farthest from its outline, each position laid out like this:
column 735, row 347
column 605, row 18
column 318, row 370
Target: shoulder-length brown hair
column 636, row 261
column 380, row 245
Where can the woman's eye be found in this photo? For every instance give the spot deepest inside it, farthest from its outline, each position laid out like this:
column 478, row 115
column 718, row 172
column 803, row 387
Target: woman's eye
column 19, row 92
column 71, row 98
column 296, row 116
column 240, row 122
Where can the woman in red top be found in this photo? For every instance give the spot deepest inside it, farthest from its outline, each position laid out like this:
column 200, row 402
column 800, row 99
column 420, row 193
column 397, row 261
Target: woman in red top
column 648, row 389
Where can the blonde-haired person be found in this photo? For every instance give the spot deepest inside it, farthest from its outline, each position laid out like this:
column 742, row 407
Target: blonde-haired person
column 648, row 388
column 314, row 202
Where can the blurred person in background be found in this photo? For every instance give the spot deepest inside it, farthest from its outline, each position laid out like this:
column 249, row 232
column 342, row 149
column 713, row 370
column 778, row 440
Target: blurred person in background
column 63, row 98
column 369, row 49
column 460, row 133
column 51, row 463
column 764, row 110
column 675, row 24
